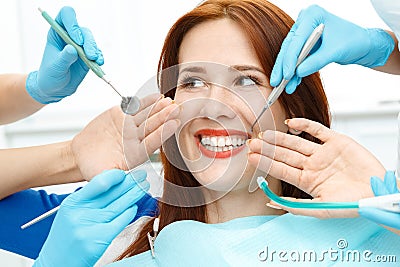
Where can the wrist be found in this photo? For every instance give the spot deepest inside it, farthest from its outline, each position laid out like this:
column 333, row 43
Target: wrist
column 381, row 47
column 32, row 87
column 69, row 162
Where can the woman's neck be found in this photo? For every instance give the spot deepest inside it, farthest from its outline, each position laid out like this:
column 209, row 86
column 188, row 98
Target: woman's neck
column 239, row 203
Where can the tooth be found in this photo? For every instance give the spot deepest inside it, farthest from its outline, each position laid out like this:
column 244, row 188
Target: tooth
column 207, row 140
column 234, row 141
column 228, row 141
column 225, row 148
column 230, row 147
column 213, row 141
column 240, row 142
column 221, row 141
column 203, row 142
column 219, row 149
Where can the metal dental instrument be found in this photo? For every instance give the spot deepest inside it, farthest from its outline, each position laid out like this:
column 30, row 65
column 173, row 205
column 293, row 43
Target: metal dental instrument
column 388, row 202
column 277, row 91
column 50, row 212
column 130, row 105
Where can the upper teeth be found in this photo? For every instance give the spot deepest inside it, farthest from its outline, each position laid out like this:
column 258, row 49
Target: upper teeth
column 222, row 143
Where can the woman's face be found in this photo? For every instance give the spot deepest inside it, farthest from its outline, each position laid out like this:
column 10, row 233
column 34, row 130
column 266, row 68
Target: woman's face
column 222, row 88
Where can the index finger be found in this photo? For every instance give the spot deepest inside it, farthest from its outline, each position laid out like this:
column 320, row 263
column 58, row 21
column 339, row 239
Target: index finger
column 315, row 129
column 304, row 26
column 67, row 19
column 100, row 183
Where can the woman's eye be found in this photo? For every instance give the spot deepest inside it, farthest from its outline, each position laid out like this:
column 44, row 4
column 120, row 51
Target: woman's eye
column 245, row 81
column 192, row 83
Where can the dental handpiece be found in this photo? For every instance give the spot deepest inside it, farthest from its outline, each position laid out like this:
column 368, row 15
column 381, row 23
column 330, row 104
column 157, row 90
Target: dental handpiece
column 130, row 105
column 277, row 91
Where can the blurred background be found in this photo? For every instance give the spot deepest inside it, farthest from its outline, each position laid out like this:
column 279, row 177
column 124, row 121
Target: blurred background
column 364, row 103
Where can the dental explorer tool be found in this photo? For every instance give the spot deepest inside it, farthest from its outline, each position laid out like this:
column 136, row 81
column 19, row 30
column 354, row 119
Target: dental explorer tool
column 130, row 105
column 388, row 202
column 277, row 91
column 50, row 212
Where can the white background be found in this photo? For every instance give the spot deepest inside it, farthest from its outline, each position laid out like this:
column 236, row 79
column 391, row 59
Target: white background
column 364, row 103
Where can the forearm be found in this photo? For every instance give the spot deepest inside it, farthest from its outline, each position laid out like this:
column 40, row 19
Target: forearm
column 392, row 65
column 23, row 168
column 15, row 102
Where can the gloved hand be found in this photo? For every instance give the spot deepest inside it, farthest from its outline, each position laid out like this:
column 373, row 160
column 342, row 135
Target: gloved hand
column 89, row 219
column 61, row 70
column 381, row 188
column 342, row 42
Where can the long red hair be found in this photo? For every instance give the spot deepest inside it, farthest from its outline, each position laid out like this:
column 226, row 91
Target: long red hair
column 266, row 26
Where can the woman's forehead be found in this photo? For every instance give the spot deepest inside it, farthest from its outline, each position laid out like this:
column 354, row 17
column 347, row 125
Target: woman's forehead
column 221, row 41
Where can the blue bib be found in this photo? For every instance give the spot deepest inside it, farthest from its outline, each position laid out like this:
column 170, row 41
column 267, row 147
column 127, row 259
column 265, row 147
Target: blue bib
column 272, row 241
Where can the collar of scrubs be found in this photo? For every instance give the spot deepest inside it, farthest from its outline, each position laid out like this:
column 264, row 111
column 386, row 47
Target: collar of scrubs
column 268, row 240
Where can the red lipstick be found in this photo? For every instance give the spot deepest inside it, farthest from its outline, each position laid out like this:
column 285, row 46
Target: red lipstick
column 233, row 149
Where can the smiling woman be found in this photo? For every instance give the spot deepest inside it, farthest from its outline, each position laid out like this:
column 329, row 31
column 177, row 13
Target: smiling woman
column 215, row 62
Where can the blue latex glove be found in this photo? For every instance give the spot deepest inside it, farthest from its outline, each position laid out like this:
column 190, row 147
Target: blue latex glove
column 61, row 70
column 380, row 188
column 342, row 42
column 89, row 219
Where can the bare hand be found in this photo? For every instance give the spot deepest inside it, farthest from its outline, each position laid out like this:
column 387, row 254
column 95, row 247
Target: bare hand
column 337, row 170
column 115, row 140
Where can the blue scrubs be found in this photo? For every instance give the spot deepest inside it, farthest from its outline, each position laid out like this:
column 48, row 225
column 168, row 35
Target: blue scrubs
column 21, row 207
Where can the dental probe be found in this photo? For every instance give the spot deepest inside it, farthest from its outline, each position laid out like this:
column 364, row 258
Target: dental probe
column 277, row 91
column 130, row 105
column 49, row 213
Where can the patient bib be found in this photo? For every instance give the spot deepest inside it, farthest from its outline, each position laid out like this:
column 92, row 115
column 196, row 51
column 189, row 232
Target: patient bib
column 286, row 240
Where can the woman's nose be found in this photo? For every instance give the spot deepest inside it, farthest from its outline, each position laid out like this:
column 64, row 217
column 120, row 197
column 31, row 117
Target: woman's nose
column 219, row 103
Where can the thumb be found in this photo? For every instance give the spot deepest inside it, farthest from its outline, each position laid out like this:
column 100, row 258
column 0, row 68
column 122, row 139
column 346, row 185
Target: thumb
column 390, row 219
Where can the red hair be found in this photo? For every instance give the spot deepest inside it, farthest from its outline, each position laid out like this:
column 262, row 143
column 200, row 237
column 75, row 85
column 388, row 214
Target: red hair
column 266, row 27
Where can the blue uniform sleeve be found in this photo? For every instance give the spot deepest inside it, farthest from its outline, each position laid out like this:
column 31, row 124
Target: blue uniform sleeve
column 18, row 209
column 21, row 207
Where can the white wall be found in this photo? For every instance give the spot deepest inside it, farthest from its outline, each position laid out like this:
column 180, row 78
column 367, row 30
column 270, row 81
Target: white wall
column 131, row 33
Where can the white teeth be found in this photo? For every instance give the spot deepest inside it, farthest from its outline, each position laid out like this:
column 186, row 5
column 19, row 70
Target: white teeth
column 222, row 143
column 228, row 141
column 234, row 141
column 206, row 141
column 213, row 141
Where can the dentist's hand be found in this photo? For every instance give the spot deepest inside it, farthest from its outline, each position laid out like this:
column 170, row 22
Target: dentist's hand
column 91, row 218
column 339, row 169
column 381, row 188
column 61, row 70
column 342, row 42
column 115, row 140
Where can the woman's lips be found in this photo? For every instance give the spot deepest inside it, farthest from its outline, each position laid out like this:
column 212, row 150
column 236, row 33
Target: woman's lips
column 215, row 143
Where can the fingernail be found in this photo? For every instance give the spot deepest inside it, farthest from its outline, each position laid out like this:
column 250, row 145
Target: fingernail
column 273, row 206
column 260, row 135
column 248, row 142
column 173, row 101
column 286, row 121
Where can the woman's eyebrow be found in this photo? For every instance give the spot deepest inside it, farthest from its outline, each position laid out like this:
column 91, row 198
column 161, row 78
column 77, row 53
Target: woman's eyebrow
column 246, row 67
column 193, row 69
